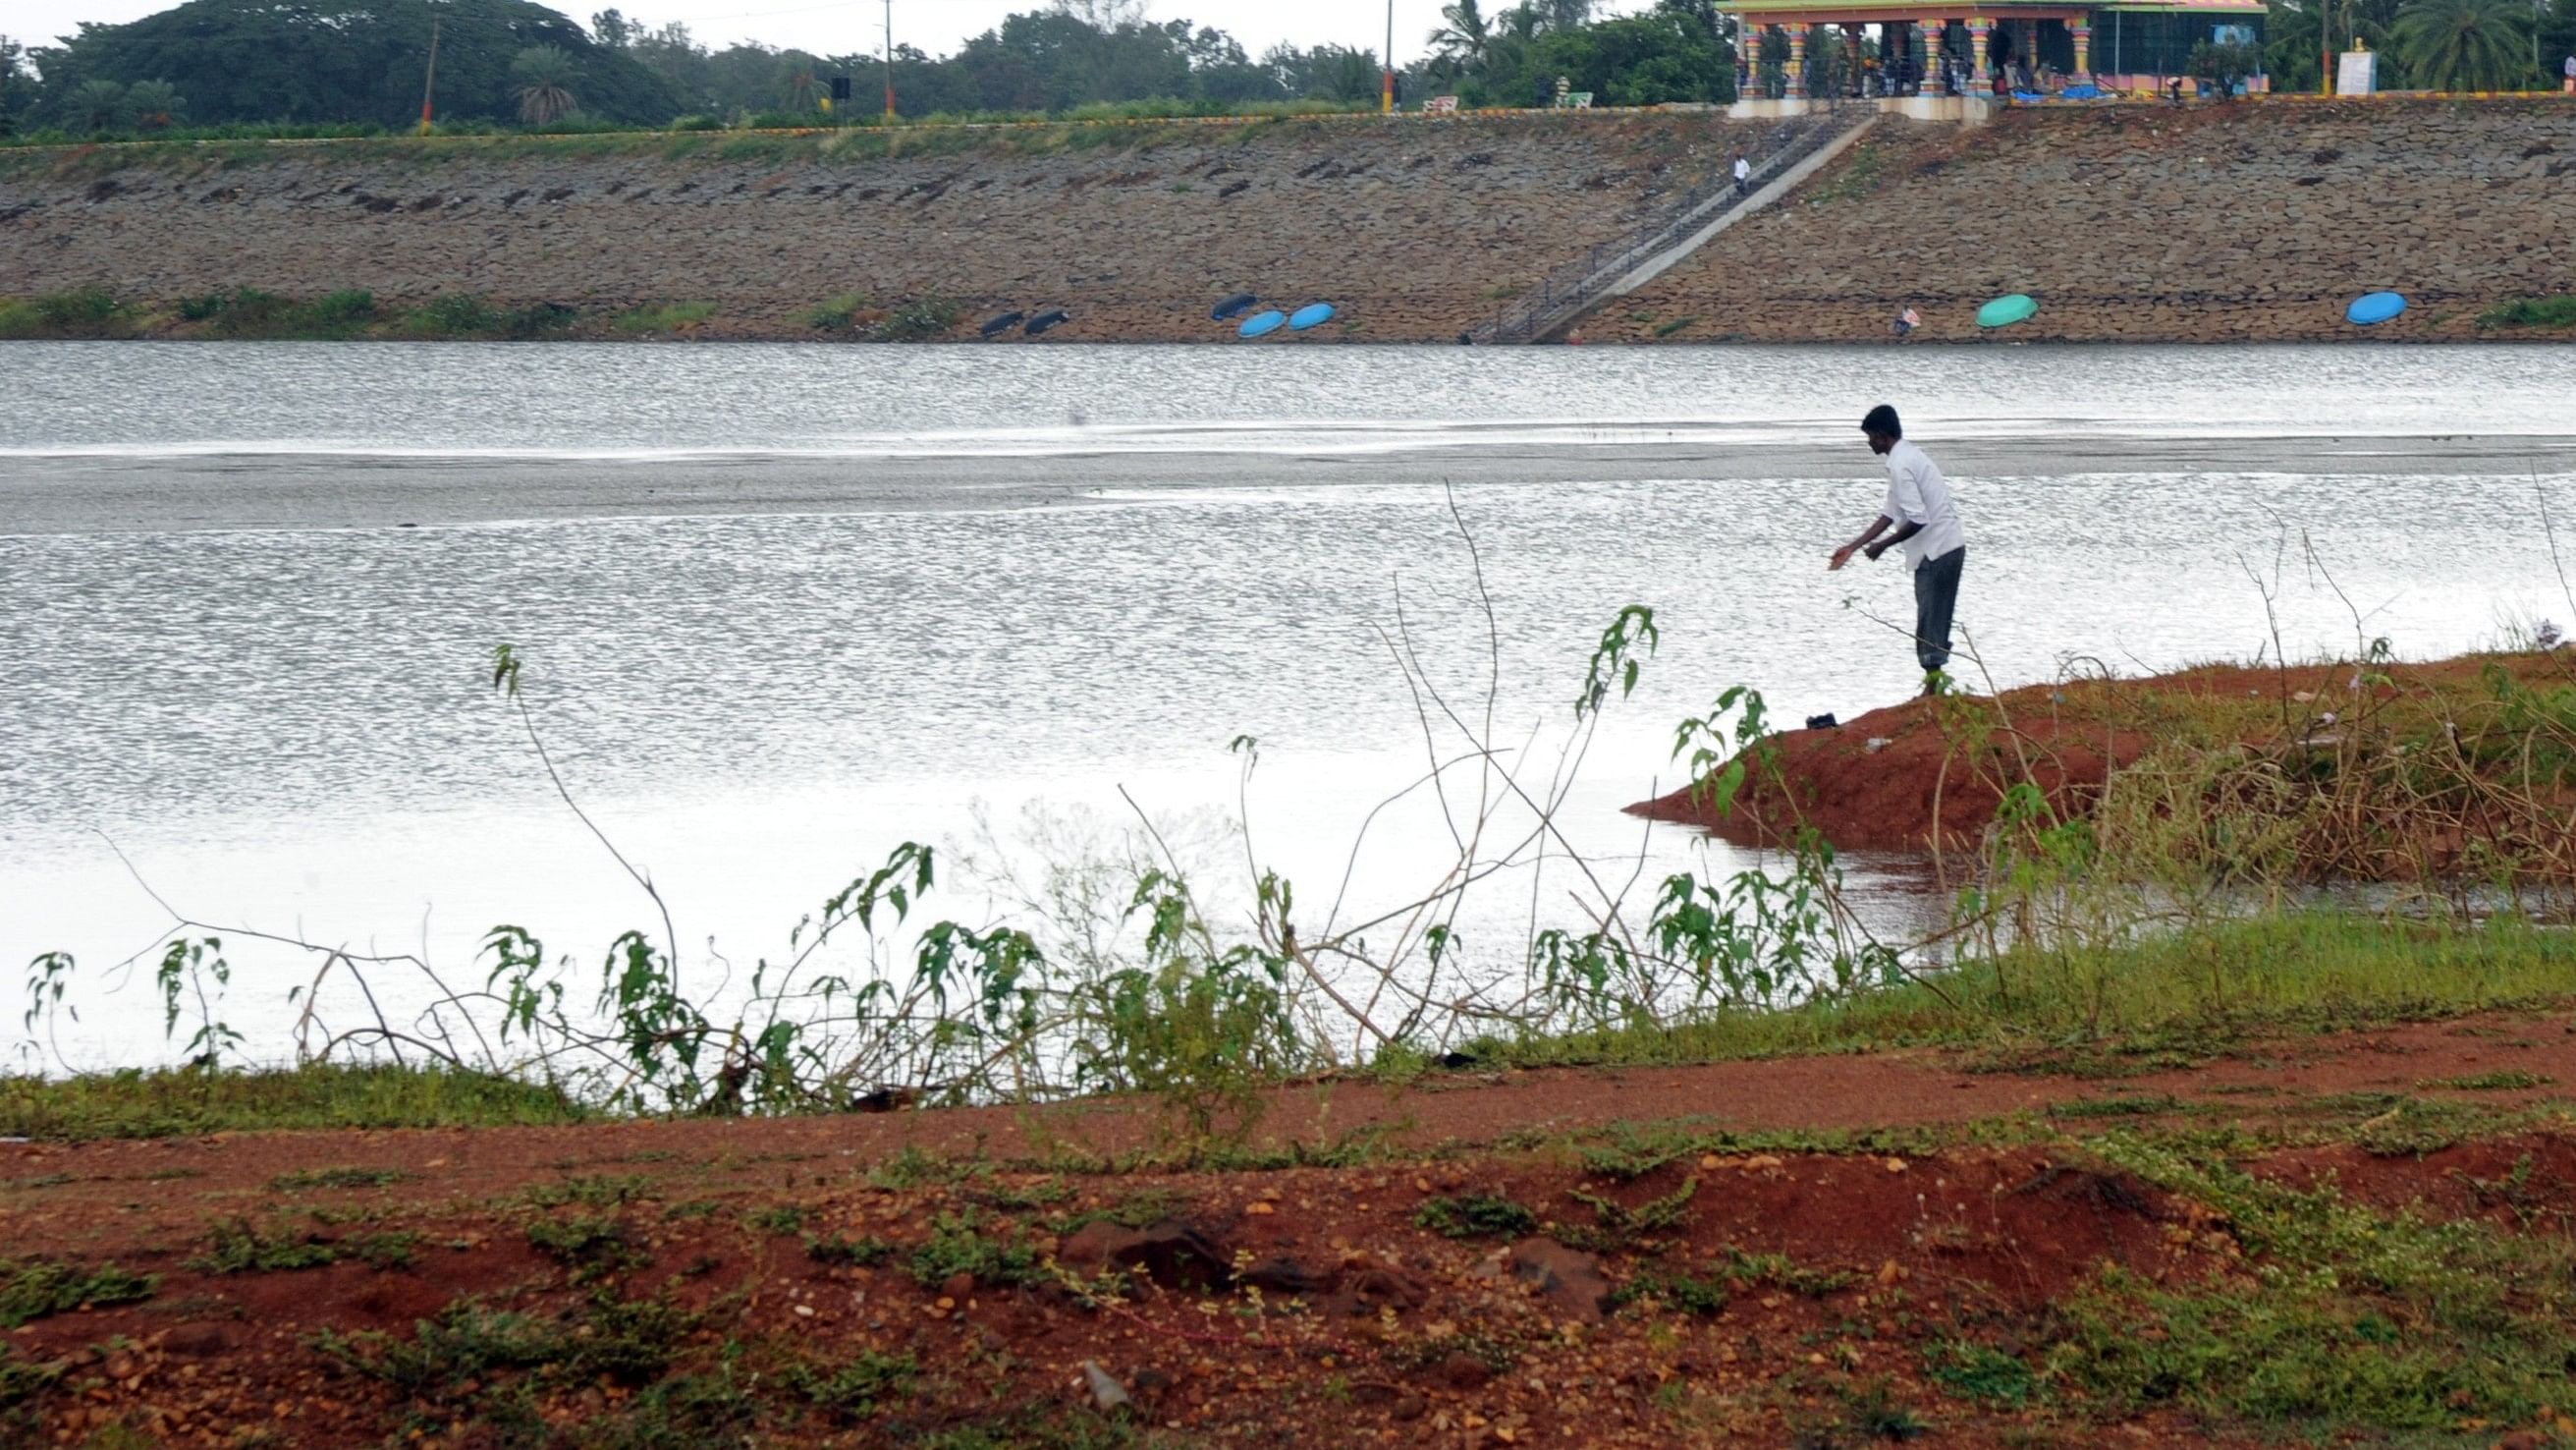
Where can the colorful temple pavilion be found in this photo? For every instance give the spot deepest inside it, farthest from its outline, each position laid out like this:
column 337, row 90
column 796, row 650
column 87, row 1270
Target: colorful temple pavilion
column 1968, row 49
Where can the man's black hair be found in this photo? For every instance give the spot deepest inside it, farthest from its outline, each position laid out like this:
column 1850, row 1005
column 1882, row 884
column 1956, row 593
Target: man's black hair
column 1882, row 421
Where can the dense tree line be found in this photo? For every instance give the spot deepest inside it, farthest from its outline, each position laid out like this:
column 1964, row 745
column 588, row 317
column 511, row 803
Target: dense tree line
column 340, row 62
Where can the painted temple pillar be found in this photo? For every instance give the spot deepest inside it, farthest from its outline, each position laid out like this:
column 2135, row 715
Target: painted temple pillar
column 1935, row 34
column 2083, row 33
column 1794, row 79
column 1980, row 56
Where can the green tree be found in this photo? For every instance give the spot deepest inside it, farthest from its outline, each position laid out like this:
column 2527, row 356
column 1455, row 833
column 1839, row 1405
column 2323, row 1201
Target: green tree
column 1464, row 39
column 2466, row 45
column 17, row 85
column 155, row 105
column 350, row 60
column 543, row 77
column 613, row 30
column 1339, row 73
column 2221, row 67
column 800, row 86
column 98, row 105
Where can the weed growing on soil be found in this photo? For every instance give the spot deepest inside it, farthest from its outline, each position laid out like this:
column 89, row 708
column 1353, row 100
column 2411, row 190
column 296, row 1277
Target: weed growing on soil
column 854, row 1389
column 591, row 1244
column 308, row 1178
column 1619, row 1227
column 958, row 1245
column 1700, row 1295
column 1477, row 1215
column 30, row 1289
column 236, row 1246
column 841, row 1249
column 22, row 1380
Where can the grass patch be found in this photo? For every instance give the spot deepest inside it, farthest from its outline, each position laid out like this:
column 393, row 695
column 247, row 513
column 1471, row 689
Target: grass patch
column 1667, row 329
column 81, row 312
column 247, row 312
column 1476, row 1215
column 2508, row 1081
column 464, row 317
column 30, row 1289
column 184, row 1102
column 2556, row 311
column 1976, row 1372
column 664, row 317
column 2341, row 1317
column 2185, row 994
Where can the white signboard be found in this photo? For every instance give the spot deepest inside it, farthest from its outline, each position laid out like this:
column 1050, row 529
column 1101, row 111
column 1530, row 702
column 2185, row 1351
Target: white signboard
column 1441, row 105
column 2357, row 74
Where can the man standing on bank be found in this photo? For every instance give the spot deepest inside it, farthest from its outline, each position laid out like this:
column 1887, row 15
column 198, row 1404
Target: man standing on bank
column 1919, row 509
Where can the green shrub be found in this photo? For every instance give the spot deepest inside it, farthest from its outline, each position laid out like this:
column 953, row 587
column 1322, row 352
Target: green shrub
column 2558, row 311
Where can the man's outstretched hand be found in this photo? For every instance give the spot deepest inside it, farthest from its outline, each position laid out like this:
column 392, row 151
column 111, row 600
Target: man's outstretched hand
column 1842, row 556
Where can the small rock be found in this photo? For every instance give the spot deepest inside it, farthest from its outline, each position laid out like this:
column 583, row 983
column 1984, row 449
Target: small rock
column 959, row 1287
column 1568, row 1279
column 1106, row 1394
column 1463, row 1372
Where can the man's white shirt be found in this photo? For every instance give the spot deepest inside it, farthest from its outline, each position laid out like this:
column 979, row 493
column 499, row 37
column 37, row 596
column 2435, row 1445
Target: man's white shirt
column 1918, row 494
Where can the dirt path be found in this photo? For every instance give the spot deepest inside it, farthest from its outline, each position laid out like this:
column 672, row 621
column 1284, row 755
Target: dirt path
column 114, row 1195
column 920, row 1278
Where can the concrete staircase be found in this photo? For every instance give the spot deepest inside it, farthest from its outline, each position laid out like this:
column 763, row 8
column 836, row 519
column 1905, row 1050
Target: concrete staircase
column 1615, row 268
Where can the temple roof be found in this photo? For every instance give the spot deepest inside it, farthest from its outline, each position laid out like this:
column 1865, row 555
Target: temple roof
column 1864, row 11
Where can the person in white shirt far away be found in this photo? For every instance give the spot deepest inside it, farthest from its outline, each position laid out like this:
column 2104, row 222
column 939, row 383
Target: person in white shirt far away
column 1743, row 174
column 2568, row 70
column 1926, row 523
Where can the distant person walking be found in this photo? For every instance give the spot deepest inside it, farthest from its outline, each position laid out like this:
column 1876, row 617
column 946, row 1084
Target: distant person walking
column 2569, row 72
column 1925, row 521
column 1743, row 174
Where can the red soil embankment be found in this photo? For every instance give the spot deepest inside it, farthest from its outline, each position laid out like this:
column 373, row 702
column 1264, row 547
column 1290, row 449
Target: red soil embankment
column 698, row 1278
column 1931, row 774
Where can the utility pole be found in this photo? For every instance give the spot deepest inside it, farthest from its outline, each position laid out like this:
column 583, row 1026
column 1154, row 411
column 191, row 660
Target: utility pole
column 889, row 57
column 429, row 82
column 1387, row 100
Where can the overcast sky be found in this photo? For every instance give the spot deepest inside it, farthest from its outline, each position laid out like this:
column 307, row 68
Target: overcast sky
column 937, row 26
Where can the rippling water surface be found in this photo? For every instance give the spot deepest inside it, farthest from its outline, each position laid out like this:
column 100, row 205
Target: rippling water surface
column 292, row 728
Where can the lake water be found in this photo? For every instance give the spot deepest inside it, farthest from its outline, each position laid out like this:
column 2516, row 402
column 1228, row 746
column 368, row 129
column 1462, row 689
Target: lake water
column 785, row 607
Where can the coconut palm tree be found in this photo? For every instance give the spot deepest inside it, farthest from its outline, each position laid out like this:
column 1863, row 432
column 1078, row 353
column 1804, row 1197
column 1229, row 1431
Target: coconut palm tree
column 156, row 105
column 98, row 105
column 803, row 89
column 1466, row 38
column 2465, row 45
column 544, row 74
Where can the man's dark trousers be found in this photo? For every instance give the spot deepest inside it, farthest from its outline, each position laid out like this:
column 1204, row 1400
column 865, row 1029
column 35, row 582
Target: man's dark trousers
column 1936, row 598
